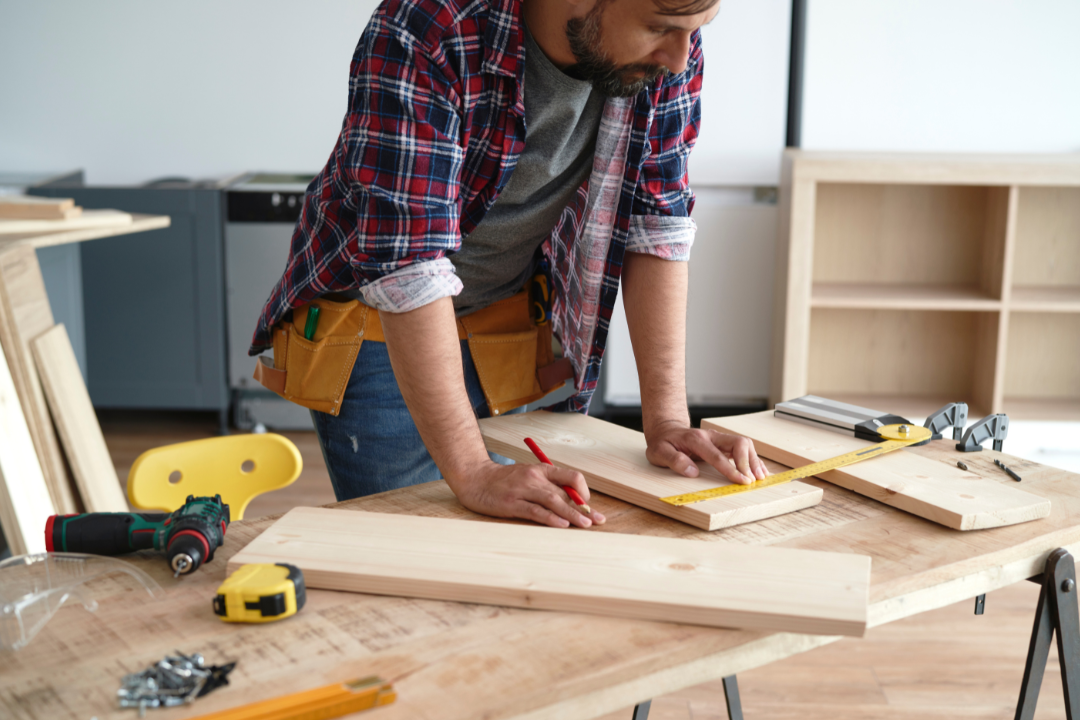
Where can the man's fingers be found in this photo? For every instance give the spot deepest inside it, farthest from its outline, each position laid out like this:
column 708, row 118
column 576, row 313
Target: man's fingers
column 667, row 455
column 562, row 476
column 531, row 511
column 743, row 456
column 556, row 502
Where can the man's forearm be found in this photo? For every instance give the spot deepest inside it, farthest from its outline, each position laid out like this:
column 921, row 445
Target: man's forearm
column 654, row 295
column 426, row 356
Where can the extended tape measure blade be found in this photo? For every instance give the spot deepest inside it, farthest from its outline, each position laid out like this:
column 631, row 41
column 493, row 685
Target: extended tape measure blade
column 899, row 436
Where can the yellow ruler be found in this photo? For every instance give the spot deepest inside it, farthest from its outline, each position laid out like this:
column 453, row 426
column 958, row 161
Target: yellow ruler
column 896, row 437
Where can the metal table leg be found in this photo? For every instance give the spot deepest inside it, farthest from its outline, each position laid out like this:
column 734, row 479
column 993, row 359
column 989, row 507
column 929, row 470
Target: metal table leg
column 1057, row 612
column 731, row 695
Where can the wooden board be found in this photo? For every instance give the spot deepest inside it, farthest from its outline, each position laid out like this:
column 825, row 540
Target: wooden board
column 24, row 314
column 88, row 219
column 932, row 489
column 612, row 459
column 461, row 661
column 631, row 576
column 25, row 504
column 95, row 475
column 140, row 223
column 28, row 207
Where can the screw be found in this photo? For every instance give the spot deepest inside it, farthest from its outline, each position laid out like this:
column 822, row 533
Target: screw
column 1068, row 585
column 904, row 429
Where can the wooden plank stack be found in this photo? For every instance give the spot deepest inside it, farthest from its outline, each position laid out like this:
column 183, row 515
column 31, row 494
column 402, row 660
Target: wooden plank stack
column 34, row 476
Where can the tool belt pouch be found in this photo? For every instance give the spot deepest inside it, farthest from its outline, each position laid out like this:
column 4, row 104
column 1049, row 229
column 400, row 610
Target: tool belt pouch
column 314, row 373
column 513, row 357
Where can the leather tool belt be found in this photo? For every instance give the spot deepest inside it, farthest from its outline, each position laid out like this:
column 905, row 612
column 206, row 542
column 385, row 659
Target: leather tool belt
column 512, row 355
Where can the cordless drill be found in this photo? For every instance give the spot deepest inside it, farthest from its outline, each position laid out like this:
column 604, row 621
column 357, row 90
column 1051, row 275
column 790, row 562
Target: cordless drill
column 188, row 536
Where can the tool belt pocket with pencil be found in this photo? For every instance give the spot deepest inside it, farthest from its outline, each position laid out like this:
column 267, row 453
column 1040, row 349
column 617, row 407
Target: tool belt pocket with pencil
column 314, row 353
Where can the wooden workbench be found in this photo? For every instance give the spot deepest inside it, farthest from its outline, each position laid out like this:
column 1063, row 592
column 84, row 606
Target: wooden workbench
column 451, row 661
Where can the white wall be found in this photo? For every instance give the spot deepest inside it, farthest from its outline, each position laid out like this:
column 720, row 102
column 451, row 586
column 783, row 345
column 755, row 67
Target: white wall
column 942, row 75
column 132, row 90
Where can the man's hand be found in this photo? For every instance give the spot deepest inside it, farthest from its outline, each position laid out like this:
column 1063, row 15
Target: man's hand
column 528, row 492
column 676, row 446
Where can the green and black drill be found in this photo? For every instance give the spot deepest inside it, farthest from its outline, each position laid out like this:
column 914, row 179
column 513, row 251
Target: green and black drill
column 188, row 536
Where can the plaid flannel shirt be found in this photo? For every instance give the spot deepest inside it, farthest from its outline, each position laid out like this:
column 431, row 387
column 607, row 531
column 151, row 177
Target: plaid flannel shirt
column 434, row 128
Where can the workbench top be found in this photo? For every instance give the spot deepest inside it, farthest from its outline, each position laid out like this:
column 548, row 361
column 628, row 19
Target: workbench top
column 451, row 661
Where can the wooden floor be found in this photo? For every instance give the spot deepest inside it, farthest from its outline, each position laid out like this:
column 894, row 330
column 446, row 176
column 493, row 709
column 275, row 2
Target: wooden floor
column 948, row 663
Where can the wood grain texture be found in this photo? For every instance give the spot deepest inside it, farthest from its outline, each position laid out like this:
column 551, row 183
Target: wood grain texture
column 454, row 661
column 924, row 232
column 717, row 585
column 939, row 492
column 612, row 459
column 140, row 223
column 25, row 503
column 1048, row 237
column 24, row 314
column 74, row 415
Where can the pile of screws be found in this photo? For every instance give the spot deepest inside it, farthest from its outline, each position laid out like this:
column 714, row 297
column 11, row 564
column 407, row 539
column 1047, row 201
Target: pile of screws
column 174, row 680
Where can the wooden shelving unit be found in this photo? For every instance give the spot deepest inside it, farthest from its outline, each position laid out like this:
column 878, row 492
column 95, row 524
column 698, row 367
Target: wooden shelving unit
column 908, row 281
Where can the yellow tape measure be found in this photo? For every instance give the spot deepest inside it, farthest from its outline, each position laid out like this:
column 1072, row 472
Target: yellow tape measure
column 896, row 437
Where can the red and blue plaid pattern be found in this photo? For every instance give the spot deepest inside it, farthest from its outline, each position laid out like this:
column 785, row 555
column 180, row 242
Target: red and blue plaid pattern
column 434, row 128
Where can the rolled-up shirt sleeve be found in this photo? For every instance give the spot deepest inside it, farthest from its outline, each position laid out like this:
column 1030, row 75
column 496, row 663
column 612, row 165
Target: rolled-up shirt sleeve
column 660, row 224
column 402, row 164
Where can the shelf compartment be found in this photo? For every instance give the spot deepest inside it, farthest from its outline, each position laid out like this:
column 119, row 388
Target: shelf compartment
column 941, row 235
column 1042, row 369
column 1047, row 250
column 902, row 297
column 1044, row 298
column 913, row 356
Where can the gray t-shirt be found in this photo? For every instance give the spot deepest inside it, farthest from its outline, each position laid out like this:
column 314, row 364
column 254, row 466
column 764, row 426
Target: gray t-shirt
column 562, row 116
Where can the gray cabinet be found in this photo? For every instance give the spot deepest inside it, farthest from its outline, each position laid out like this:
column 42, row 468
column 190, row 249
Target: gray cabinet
column 154, row 302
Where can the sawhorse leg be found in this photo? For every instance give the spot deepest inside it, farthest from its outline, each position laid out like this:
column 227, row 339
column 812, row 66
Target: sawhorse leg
column 1057, row 613
column 731, row 695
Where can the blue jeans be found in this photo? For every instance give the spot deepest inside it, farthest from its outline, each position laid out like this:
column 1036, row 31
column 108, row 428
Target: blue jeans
column 373, row 445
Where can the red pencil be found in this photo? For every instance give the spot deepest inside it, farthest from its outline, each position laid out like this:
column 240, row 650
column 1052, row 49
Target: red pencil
column 569, row 490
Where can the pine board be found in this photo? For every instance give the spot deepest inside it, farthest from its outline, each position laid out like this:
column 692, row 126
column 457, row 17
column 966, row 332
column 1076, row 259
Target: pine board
column 24, row 314
column 610, row 574
column 25, row 504
column 612, row 459
column 29, row 207
column 87, row 219
column 73, row 413
column 933, row 489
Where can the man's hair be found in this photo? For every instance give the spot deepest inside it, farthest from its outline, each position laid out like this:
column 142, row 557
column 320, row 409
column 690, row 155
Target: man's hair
column 684, row 7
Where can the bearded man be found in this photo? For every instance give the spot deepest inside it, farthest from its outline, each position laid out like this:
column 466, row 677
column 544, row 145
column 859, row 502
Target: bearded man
column 503, row 168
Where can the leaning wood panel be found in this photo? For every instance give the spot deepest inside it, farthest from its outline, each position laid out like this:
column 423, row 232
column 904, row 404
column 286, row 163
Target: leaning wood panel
column 95, row 474
column 25, row 504
column 649, row 578
column 935, row 490
column 25, row 314
column 612, row 459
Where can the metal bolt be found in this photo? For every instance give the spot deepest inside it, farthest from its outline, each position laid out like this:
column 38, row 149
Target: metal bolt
column 1067, row 585
column 904, row 429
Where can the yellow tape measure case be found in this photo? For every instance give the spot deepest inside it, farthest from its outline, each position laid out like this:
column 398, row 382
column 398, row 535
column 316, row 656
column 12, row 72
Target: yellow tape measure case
column 261, row 593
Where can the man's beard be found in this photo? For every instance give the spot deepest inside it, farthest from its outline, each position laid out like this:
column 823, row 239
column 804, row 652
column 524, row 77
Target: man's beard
column 593, row 65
